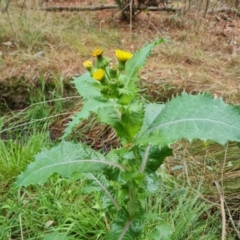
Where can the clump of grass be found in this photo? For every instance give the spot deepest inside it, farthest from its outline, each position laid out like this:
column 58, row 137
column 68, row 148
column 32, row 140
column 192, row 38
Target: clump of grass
column 59, row 206
column 15, row 154
column 178, row 210
column 216, row 167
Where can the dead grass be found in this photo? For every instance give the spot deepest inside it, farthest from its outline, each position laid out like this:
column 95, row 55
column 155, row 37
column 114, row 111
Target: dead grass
column 204, row 165
column 201, row 55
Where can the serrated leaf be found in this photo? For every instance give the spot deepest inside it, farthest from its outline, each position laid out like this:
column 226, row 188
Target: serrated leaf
column 87, row 87
column 152, row 110
column 90, row 106
column 151, row 183
column 64, row 159
column 193, row 117
column 126, row 122
column 126, row 228
column 162, row 232
column 132, row 118
column 138, row 61
column 156, row 157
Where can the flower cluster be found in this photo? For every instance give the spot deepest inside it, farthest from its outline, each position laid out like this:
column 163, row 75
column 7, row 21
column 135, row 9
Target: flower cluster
column 108, row 76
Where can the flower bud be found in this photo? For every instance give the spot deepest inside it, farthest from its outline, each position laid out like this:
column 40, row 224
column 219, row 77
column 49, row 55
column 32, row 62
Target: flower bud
column 88, row 65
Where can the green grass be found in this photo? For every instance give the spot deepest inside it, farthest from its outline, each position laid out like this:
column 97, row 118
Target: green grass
column 182, row 211
column 58, row 206
column 60, row 203
column 64, row 206
column 16, row 154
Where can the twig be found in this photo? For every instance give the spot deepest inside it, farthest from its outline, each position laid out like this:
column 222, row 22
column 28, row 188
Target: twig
column 221, row 195
column 186, row 173
column 103, row 7
column 231, row 220
column 222, row 210
column 71, row 9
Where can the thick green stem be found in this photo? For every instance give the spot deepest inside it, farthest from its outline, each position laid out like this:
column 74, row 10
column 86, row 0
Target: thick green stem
column 144, row 160
column 128, row 223
column 132, row 197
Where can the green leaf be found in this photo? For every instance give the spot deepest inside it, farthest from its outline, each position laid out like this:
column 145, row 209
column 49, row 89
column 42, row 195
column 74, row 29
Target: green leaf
column 90, row 106
column 126, row 122
column 193, row 117
column 112, row 116
column 132, row 117
column 87, row 87
column 156, row 157
column 126, row 228
column 162, row 232
column 138, row 61
column 152, row 110
column 64, row 159
column 151, row 184
column 127, row 95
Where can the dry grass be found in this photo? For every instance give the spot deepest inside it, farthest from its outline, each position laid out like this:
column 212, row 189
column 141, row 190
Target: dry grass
column 202, row 54
column 198, row 58
column 205, row 165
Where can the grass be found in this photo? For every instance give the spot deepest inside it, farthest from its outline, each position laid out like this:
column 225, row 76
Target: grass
column 63, row 205
column 201, row 55
column 182, row 210
column 59, row 206
column 16, row 154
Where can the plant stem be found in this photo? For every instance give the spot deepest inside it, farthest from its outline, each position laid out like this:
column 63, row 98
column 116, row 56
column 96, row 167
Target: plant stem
column 144, row 161
column 128, row 223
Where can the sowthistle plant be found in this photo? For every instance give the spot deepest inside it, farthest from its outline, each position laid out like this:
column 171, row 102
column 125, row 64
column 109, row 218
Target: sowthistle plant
column 127, row 174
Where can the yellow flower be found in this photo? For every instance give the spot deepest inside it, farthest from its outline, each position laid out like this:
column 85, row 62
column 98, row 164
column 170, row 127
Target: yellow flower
column 88, row 65
column 99, row 74
column 123, row 56
column 97, row 52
